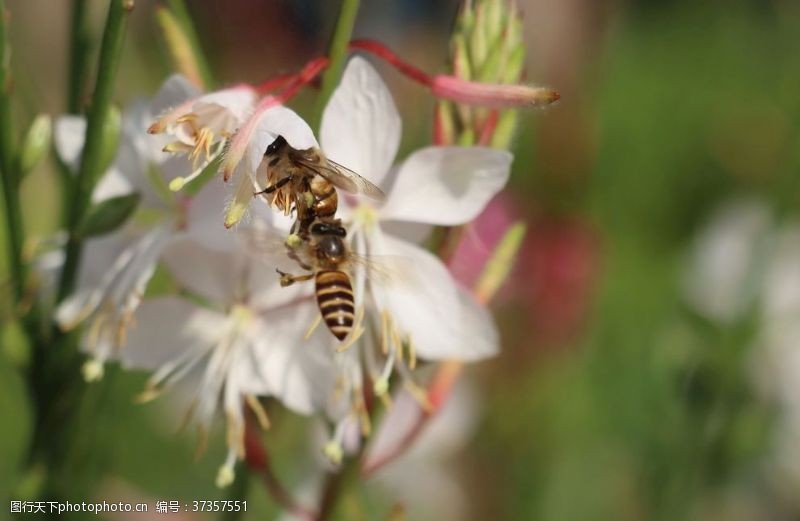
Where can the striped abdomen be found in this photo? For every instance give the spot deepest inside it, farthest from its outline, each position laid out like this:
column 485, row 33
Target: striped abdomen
column 335, row 300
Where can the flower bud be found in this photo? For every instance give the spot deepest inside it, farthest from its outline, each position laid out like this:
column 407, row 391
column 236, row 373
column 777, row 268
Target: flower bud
column 491, row 95
column 110, row 138
column 179, row 46
column 500, row 263
column 504, row 130
column 36, row 143
column 487, row 49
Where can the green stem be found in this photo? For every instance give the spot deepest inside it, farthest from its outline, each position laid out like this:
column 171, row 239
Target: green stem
column 178, row 8
column 237, row 492
column 80, row 43
column 335, row 483
column 337, row 54
column 8, row 171
column 88, row 173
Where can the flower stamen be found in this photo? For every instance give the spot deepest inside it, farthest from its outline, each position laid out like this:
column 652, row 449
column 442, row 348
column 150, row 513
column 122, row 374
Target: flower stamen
column 259, row 411
column 226, row 474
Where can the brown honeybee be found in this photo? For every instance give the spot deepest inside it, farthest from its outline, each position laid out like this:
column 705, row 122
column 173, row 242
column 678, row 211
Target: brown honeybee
column 306, row 180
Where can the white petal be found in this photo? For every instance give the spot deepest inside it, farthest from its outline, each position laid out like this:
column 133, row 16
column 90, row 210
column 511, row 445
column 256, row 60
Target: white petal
column 264, row 283
column 446, row 185
column 236, row 101
column 781, row 291
column 421, row 477
column 212, row 274
column 447, row 432
column 112, row 184
column 78, row 306
column 300, row 372
column 274, row 122
column 69, row 135
column 102, row 253
column 421, row 296
column 205, row 216
column 165, row 328
column 719, row 281
column 408, row 231
column 479, row 336
column 110, row 266
column 175, row 90
column 360, row 125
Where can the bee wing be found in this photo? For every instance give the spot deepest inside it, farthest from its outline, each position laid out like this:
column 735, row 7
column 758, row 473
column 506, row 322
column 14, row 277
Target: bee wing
column 342, row 177
column 386, row 269
column 266, row 247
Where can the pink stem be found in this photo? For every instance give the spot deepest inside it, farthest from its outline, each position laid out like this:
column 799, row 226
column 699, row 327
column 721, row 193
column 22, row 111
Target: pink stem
column 386, row 54
column 488, row 128
column 257, row 460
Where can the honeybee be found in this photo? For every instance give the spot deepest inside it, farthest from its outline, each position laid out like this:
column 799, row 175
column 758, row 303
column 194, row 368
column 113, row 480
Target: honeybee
column 324, row 253
column 306, row 180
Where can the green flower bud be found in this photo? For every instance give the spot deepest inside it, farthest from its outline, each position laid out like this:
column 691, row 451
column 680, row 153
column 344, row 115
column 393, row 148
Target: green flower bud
column 487, row 47
column 504, row 131
column 110, row 138
column 499, row 265
column 36, row 143
column 179, row 46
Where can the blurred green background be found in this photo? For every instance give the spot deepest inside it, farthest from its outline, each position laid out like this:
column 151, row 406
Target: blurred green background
column 613, row 398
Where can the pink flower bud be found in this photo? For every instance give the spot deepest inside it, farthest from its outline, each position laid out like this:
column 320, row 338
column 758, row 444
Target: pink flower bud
column 491, row 95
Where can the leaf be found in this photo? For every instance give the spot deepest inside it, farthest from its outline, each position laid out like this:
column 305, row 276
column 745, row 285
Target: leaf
column 108, row 215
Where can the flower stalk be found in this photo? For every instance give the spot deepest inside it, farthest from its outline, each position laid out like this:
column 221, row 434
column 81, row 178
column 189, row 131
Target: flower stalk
column 92, row 157
column 337, row 53
column 8, row 166
column 54, row 379
column 80, row 45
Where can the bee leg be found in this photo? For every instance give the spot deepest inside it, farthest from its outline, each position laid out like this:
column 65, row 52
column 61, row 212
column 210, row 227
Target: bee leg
column 277, row 186
column 287, row 279
column 293, row 255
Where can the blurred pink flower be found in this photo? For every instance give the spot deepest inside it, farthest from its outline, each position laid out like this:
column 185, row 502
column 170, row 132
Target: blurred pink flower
column 555, row 273
column 480, row 238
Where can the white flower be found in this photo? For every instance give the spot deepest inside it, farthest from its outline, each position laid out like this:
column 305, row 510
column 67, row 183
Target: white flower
column 777, row 357
column 249, row 344
column 117, row 267
column 724, row 267
column 421, row 479
column 417, row 307
column 199, row 125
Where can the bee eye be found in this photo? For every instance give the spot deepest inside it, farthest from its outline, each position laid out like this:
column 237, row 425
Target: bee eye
column 320, row 229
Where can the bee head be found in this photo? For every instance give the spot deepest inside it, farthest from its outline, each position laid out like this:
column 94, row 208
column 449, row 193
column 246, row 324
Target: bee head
column 276, row 146
column 329, row 240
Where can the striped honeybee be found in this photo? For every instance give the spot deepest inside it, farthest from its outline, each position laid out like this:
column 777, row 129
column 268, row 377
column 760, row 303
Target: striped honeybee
column 324, row 252
column 306, row 180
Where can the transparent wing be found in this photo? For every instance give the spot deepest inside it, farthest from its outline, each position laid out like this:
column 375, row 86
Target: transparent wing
column 385, row 269
column 342, row 177
column 266, row 247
